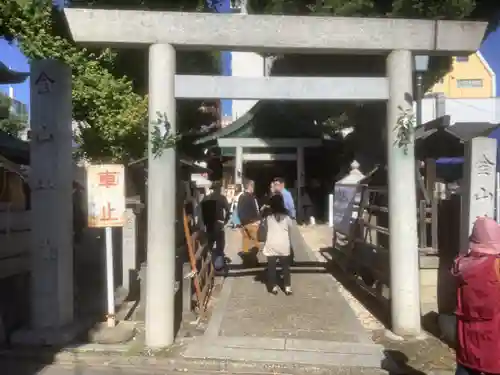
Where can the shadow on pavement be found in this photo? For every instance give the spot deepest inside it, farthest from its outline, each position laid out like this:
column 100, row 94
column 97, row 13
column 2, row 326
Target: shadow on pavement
column 43, row 364
column 238, row 270
column 363, row 295
column 431, row 352
column 396, row 363
column 380, row 310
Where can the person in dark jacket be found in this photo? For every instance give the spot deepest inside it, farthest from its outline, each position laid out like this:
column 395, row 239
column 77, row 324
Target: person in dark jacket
column 248, row 212
column 265, row 209
column 215, row 211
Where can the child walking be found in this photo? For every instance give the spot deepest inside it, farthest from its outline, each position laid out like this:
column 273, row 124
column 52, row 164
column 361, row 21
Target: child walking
column 277, row 246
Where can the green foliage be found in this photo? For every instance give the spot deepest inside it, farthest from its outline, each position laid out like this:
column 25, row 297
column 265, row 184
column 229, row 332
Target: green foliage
column 111, row 115
column 14, row 127
column 162, row 137
column 12, row 124
column 174, row 5
column 456, row 9
column 111, row 109
column 405, row 127
column 433, row 9
column 5, row 103
column 486, row 10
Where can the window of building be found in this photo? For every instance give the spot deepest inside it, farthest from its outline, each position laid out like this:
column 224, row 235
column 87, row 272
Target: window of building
column 19, row 108
column 433, row 94
column 235, row 4
column 469, row 83
column 462, row 58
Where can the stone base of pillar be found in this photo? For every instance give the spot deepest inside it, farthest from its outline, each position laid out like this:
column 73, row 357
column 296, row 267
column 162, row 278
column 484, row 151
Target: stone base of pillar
column 47, row 337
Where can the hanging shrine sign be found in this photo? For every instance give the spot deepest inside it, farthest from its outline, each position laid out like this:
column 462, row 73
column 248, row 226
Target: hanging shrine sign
column 106, row 195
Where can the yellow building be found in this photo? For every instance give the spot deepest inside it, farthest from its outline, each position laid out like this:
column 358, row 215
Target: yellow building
column 470, row 77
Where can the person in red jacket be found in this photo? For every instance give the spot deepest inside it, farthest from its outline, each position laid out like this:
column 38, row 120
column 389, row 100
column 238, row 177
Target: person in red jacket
column 478, row 301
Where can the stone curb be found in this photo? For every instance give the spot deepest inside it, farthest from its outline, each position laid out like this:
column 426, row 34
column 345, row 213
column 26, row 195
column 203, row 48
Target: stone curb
column 109, row 359
column 174, row 365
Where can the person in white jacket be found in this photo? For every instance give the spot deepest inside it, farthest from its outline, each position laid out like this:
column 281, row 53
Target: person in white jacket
column 277, row 243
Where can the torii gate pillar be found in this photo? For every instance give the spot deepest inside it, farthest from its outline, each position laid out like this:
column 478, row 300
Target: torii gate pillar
column 403, row 245
column 161, row 202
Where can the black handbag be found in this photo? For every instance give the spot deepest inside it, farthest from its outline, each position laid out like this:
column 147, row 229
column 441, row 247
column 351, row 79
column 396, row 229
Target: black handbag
column 262, row 231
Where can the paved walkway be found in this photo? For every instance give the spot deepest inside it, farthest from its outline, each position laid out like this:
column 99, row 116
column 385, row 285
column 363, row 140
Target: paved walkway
column 315, row 326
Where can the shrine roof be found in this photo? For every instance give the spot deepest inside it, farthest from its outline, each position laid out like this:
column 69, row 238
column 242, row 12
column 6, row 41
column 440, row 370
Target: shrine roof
column 8, row 76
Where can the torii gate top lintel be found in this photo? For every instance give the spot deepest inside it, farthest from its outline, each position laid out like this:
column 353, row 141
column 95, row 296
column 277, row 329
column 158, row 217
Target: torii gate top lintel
column 262, row 33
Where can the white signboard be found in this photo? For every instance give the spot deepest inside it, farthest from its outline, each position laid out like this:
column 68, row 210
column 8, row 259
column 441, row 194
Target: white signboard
column 345, row 200
column 106, row 195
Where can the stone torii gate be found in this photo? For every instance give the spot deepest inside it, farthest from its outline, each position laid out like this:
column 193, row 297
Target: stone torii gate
column 164, row 32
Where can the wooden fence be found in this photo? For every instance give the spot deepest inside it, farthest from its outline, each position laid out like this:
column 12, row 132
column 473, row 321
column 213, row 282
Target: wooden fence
column 365, row 252
column 374, row 221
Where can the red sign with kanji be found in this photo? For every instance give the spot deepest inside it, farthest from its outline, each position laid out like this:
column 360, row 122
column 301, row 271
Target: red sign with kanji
column 108, row 179
column 106, row 195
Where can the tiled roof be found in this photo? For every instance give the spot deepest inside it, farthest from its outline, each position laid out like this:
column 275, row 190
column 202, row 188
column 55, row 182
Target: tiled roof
column 10, row 76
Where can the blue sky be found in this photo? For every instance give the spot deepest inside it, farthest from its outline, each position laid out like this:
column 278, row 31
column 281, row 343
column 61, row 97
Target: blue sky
column 491, row 52
column 11, row 56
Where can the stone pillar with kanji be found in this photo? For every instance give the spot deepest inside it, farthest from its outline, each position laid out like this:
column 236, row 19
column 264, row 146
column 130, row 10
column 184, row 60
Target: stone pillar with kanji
column 478, row 186
column 51, row 184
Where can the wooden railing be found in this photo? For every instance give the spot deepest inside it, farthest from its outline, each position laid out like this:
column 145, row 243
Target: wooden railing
column 374, row 221
column 200, row 269
column 373, row 218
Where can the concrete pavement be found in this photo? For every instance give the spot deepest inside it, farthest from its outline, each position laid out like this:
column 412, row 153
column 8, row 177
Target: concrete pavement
column 157, row 367
column 315, row 326
column 19, row 367
column 318, row 330
column 35, row 369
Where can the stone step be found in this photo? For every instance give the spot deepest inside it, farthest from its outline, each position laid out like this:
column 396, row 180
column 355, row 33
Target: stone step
column 174, row 364
column 229, row 369
column 428, row 294
column 283, row 351
column 428, row 277
column 268, row 356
